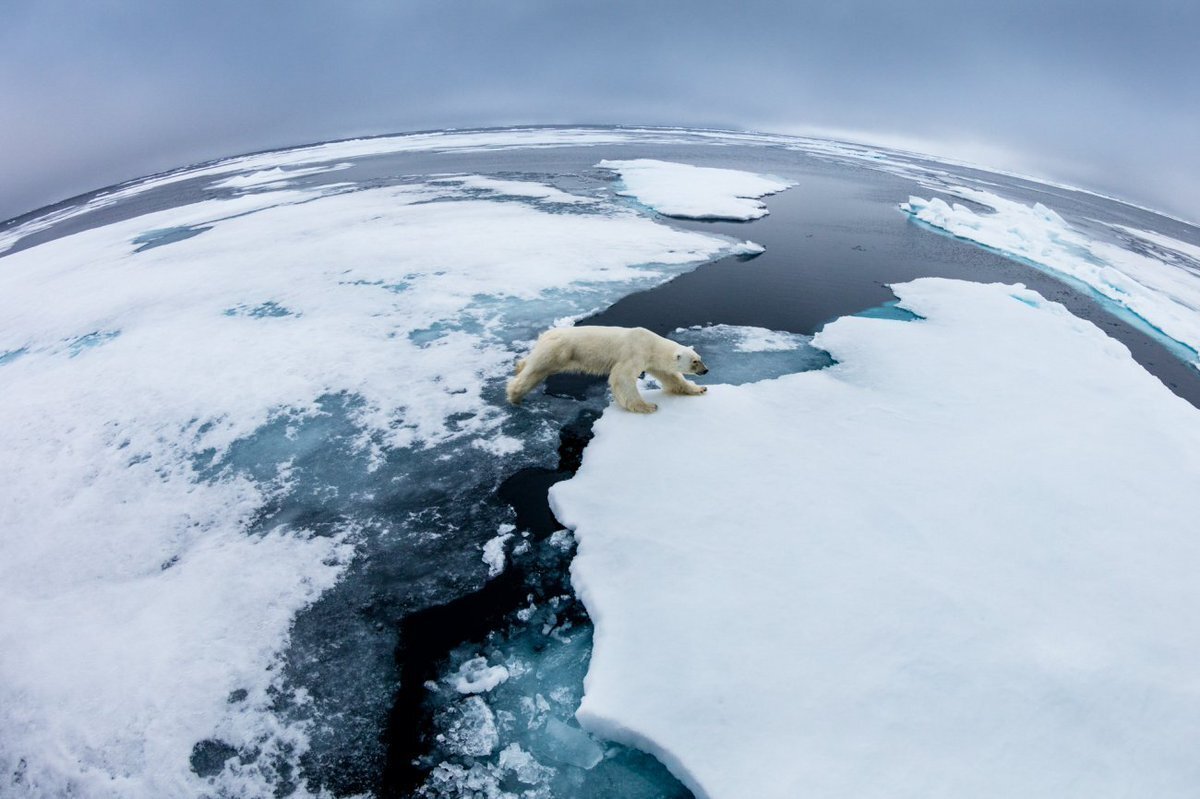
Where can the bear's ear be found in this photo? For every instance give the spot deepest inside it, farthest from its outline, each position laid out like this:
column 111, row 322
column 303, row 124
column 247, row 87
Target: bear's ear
column 682, row 357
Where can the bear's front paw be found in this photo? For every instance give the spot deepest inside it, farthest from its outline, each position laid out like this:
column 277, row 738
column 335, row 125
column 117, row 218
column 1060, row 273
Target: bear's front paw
column 643, row 407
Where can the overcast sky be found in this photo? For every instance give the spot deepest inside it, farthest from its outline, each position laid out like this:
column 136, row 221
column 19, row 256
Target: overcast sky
column 1097, row 93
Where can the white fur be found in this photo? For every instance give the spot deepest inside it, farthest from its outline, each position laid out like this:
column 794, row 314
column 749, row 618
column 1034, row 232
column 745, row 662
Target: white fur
column 622, row 353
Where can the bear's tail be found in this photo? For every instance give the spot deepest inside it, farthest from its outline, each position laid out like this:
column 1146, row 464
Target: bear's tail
column 519, row 367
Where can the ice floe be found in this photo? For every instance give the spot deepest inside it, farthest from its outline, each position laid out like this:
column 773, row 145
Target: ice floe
column 493, row 550
column 695, row 192
column 139, row 598
column 1166, row 298
column 959, row 562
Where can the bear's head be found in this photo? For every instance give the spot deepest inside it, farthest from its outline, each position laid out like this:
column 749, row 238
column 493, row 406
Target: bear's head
column 689, row 362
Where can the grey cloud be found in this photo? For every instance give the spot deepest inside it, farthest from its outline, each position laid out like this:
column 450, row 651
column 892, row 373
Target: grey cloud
column 1101, row 93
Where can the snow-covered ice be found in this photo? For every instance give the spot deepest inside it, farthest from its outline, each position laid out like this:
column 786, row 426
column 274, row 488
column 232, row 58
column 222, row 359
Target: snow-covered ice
column 137, row 596
column 959, row 562
column 1164, row 296
column 695, row 192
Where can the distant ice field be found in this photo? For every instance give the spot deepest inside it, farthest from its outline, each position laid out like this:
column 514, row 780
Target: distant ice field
column 269, row 528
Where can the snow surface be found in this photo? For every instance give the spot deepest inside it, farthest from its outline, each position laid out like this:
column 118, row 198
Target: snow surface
column 137, row 596
column 959, row 562
column 1165, row 297
column 695, row 192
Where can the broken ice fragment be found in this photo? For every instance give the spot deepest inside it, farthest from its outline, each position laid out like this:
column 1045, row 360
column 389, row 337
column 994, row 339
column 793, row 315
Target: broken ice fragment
column 476, row 676
column 473, row 729
column 572, row 746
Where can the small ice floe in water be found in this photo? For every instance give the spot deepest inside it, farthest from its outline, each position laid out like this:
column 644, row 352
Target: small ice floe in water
column 493, row 550
column 472, row 728
column 570, row 745
column 476, row 676
column 524, row 766
column 748, row 249
column 695, row 192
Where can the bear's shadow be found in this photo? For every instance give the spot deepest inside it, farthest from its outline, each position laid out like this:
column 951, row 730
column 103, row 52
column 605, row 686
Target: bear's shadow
column 576, row 387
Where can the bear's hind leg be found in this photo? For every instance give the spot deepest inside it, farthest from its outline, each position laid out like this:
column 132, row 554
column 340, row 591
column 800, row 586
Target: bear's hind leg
column 525, row 381
column 623, row 382
column 675, row 383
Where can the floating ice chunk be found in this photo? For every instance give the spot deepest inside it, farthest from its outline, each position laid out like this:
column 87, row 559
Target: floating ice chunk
column 562, row 539
column 472, row 729
column 476, row 677
column 695, row 192
column 965, row 555
column 749, row 248
column 524, row 766
column 563, row 743
column 493, row 550
column 1165, row 297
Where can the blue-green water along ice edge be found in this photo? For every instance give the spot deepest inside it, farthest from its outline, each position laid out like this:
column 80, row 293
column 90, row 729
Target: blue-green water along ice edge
column 158, row 238
column 1114, row 306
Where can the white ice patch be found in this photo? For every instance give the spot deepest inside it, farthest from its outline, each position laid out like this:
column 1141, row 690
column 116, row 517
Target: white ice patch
column 475, row 676
column 472, row 730
column 960, row 562
column 695, row 192
column 1166, row 297
column 135, row 598
column 749, row 248
column 493, row 553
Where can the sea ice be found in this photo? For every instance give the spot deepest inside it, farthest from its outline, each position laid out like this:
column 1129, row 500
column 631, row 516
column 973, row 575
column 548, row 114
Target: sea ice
column 1166, row 297
column 959, row 562
column 472, row 730
column 695, row 192
column 138, row 592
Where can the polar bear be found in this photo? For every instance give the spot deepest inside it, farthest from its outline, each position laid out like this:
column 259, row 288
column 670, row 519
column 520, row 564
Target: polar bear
column 622, row 353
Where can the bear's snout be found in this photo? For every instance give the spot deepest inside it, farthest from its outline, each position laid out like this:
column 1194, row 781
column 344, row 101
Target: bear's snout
column 703, row 370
